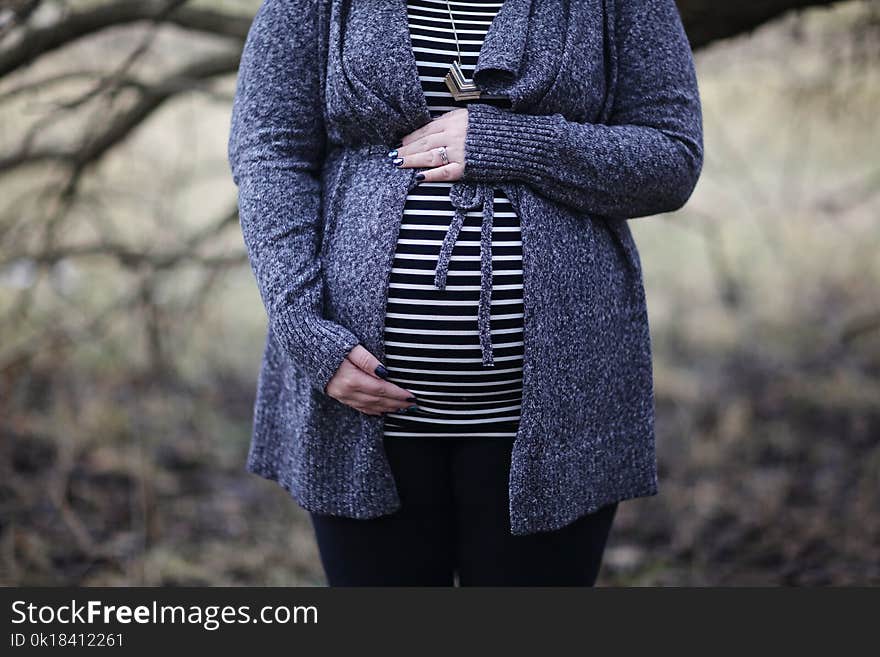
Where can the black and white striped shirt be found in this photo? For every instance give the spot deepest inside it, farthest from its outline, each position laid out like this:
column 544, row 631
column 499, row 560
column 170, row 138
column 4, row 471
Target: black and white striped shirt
column 432, row 341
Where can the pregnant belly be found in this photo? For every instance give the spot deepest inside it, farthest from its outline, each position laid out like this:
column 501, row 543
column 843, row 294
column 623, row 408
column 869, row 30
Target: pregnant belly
column 432, row 343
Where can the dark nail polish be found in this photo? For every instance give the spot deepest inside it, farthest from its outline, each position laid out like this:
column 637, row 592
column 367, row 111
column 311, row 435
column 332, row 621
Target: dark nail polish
column 410, row 409
column 392, row 153
column 397, row 161
column 381, row 371
column 420, row 176
column 411, row 399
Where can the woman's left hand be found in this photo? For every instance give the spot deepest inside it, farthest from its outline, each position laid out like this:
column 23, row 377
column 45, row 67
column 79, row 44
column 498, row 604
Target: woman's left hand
column 420, row 148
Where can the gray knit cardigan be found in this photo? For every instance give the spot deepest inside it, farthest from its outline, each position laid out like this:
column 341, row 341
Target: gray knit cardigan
column 604, row 125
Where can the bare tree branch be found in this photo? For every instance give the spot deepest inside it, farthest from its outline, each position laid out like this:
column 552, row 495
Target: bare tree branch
column 705, row 21
column 32, row 86
column 117, row 129
column 185, row 253
column 38, row 41
column 708, row 21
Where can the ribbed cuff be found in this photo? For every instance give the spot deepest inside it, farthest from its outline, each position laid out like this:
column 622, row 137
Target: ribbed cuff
column 319, row 345
column 501, row 144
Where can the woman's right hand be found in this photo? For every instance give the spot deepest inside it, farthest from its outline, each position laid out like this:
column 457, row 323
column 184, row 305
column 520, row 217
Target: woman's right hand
column 358, row 384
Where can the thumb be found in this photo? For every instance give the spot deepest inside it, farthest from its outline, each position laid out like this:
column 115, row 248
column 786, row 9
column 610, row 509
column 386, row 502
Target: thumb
column 367, row 362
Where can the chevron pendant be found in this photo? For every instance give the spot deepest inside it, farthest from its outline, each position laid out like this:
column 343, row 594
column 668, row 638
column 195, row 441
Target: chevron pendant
column 463, row 88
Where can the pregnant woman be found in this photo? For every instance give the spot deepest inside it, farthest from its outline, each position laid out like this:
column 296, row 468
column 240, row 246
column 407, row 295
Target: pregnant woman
column 434, row 195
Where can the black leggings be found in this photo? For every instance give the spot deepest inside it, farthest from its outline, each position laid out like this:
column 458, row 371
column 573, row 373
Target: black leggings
column 454, row 518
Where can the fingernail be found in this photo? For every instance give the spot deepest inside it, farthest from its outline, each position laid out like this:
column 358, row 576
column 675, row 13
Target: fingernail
column 411, row 399
column 381, row 371
column 420, row 176
column 392, row 153
column 397, row 161
column 410, row 409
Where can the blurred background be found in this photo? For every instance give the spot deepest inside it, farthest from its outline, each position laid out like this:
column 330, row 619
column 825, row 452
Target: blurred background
column 131, row 329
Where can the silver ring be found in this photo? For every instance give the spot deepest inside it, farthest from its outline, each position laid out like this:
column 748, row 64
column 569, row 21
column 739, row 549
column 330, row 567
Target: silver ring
column 443, row 156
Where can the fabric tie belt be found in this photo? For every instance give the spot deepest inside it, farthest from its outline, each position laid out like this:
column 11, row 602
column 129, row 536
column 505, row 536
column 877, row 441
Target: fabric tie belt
column 465, row 196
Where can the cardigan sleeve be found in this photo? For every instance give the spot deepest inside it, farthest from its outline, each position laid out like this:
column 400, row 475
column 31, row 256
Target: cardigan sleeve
column 644, row 160
column 275, row 150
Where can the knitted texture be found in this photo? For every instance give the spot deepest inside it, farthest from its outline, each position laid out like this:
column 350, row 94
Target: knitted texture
column 604, row 125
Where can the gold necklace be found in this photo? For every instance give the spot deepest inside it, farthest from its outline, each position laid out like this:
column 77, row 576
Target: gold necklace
column 460, row 86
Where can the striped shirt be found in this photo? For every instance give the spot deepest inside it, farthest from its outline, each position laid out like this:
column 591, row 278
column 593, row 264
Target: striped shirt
column 432, row 342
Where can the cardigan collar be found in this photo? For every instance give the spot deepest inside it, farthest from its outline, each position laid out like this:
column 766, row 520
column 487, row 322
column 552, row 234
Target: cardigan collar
column 374, row 94
column 500, row 57
column 375, row 75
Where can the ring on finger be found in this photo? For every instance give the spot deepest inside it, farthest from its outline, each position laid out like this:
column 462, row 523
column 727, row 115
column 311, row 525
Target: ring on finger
column 443, row 155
